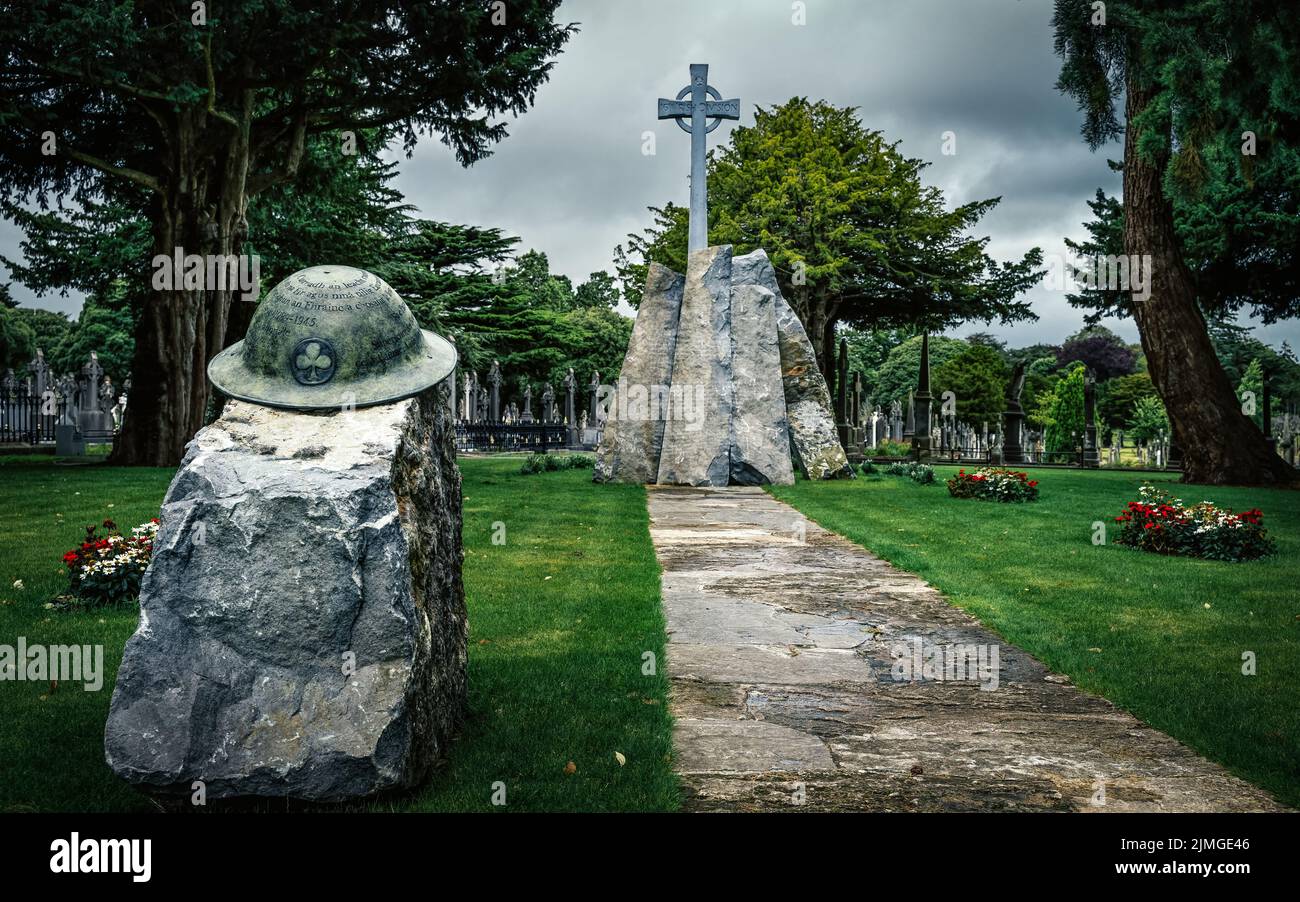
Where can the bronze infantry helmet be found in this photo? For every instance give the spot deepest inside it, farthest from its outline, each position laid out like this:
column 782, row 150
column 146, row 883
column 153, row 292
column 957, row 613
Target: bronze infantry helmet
column 332, row 336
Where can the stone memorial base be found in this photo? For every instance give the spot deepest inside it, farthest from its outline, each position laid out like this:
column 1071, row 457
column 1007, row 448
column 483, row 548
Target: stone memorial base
column 720, row 385
column 302, row 623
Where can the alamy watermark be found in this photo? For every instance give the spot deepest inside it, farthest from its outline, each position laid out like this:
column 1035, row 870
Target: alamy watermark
column 47, row 663
column 103, row 856
column 918, row 660
column 208, row 272
column 635, row 402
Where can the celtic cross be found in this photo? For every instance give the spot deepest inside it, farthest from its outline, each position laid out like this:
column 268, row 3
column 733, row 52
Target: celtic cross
column 698, row 108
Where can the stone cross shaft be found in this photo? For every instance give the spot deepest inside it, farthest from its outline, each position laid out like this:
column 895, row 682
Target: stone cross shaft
column 697, row 108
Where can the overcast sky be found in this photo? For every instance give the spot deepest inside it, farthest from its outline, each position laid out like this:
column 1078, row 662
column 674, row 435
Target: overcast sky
column 571, row 179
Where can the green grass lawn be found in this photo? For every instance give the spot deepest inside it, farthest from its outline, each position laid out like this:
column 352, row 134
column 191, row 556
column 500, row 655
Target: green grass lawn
column 1161, row 637
column 560, row 617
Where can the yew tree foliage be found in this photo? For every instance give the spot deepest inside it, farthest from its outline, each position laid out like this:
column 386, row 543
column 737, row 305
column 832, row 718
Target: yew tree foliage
column 186, row 114
column 1211, row 128
column 1118, row 398
column 1227, row 112
column 110, row 79
column 855, row 235
column 459, row 280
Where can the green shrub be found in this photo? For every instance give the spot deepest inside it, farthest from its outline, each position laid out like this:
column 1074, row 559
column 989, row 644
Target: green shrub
column 921, row 474
column 889, row 448
column 542, row 462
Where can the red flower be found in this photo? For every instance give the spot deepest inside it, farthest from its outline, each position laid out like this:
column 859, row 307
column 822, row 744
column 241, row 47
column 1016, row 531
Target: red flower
column 1033, row 483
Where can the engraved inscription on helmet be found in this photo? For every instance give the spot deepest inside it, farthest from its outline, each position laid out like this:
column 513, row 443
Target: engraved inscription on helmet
column 332, row 335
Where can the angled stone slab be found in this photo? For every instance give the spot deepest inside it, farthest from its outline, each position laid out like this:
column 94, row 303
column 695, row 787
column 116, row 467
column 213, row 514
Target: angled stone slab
column 697, row 442
column 633, row 437
column 815, row 443
column 760, row 442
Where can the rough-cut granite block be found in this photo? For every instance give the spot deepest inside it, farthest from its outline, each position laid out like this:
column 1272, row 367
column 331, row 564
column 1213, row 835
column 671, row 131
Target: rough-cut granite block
column 302, row 623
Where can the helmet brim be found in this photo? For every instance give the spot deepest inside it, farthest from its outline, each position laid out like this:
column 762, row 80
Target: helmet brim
column 229, row 374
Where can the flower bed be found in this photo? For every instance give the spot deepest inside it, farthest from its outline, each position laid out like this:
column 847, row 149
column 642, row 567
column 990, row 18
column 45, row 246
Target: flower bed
column 107, row 569
column 1164, row 525
column 994, row 484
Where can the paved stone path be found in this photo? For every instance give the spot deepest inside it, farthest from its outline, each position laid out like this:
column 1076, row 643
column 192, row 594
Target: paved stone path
column 779, row 650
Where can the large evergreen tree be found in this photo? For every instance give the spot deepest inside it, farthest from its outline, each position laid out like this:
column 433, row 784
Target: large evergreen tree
column 1194, row 78
column 187, row 112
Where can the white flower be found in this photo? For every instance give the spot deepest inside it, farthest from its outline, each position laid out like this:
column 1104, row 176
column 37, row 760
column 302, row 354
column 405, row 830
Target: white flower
column 18, row 584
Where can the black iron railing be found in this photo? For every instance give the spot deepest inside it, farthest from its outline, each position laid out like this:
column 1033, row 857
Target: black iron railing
column 511, row 436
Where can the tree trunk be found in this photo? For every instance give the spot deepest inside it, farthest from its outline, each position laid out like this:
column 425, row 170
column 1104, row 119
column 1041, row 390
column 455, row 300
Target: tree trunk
column 201, row 210
column 1220, row 445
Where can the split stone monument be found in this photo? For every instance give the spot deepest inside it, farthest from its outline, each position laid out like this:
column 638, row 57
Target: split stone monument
column 302, row 622
column 720, row 385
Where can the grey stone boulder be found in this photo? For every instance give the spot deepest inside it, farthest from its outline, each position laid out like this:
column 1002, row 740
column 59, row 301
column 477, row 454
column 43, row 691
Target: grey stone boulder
column 813, row 437
column 697, row 443
column 634, row 430
column 760, row 445
column 302, row 623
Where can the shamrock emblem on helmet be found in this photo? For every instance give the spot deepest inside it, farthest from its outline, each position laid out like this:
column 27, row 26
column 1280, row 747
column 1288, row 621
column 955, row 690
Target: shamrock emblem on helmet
column 313, row 361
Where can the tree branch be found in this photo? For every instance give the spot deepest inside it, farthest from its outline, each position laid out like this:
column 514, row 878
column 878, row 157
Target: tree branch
column 212, row 85
column 144, row 179
column 289, row 168
column 134, row 175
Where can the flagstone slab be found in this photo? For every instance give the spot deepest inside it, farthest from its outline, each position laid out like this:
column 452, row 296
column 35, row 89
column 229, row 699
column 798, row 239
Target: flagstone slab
column 782, row 643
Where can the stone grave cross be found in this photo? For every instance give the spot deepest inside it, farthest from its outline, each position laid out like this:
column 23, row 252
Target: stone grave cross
column 91, row 372
column 494, row 379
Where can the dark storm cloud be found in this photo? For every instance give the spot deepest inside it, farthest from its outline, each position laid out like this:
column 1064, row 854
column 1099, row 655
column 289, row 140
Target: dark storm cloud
column 571, row 180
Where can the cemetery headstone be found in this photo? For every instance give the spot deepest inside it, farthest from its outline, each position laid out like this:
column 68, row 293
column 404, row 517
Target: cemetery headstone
column 842, row 424
column 570, row 410
column 921, row 437
column 1091, row 457
column 548, row 404
column 93, row 418
column 494, row 380
column 1014, row 451
column 526, row 415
